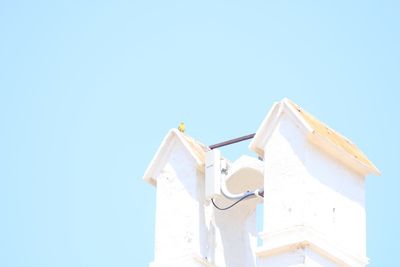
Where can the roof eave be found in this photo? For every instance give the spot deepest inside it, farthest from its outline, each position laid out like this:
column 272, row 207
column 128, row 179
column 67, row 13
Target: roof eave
column 157, row 162
column 342, row 156
column 268, row 125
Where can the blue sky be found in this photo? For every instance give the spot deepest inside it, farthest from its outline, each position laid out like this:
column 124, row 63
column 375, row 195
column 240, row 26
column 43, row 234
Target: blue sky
column 89, row 89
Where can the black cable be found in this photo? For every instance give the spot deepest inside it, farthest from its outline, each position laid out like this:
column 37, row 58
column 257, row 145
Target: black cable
column 230, row 206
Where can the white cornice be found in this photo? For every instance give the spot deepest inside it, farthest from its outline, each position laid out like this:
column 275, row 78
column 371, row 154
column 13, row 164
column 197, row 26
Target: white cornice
column 303, row 236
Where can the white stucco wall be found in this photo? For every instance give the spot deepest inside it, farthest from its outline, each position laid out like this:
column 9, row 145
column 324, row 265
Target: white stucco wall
column 191, row 231
column 335, row 202
column 180, row 228
column 314, row 207
column 236, row 235
column 307, row 189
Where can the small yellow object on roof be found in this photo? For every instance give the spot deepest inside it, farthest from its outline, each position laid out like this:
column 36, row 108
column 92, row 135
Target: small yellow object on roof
column 181, row 127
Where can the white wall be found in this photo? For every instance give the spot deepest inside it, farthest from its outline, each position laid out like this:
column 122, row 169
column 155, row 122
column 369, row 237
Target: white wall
column 180, row 227
column 335, row 202
column 236, row 234
column 284, row 173
column 313, row 210
column 189, row 230
column 306, row 187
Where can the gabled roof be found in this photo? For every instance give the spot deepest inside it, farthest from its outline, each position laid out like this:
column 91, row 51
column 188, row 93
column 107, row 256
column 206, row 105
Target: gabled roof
column 318, row 132
column 195, row 149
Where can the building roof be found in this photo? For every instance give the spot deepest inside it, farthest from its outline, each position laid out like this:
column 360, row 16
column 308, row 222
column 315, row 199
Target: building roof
column 196, row 149
column 316, row 130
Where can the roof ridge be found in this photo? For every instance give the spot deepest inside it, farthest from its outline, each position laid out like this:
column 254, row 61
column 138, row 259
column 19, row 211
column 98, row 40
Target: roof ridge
column 196, row 149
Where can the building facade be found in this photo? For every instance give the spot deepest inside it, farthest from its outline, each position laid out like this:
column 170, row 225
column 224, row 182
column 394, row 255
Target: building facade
column 312, row 181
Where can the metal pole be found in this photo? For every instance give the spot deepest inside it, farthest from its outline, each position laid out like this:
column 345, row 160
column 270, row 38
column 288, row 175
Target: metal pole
column 233, row 141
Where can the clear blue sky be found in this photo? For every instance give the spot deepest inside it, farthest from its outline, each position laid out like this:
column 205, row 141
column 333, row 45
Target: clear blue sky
column 89, row 89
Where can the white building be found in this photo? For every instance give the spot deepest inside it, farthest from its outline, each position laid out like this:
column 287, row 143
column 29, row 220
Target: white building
column 314, row 198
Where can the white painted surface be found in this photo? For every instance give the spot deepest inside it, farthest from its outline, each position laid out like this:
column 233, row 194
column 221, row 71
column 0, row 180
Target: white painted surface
column 340, row 154
column 189, row 230
column 245, row 174
column 236, row 235
column 306, row 187
column 314, row 259
column 213, row 174
column 297, row 257
column 180, row 229
column 314, row 205
column 292, row 258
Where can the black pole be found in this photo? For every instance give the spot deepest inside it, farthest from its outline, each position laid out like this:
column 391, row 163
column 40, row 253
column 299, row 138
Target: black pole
column 233, row 141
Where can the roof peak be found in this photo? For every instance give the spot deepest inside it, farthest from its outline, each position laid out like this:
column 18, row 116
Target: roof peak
column 316, row 130
column 196, row 149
